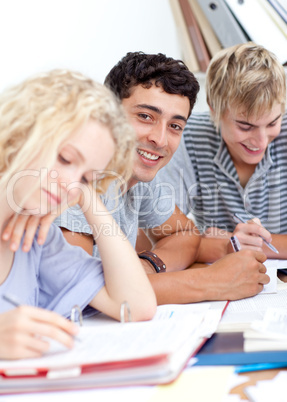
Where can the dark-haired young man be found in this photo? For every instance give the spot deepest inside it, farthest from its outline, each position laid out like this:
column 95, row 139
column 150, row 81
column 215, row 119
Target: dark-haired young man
column 158, row 94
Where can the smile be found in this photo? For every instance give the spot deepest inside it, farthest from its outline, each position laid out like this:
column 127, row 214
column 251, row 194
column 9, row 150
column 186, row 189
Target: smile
column 148, row 155
column 252, row 149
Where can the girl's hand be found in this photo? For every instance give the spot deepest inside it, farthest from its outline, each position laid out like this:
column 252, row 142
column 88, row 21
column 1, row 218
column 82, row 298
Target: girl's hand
column 21, row 225
column 23, row 328
column 26, row 225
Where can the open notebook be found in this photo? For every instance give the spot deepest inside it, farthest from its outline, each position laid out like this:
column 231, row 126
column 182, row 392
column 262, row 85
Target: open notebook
column 108, row 353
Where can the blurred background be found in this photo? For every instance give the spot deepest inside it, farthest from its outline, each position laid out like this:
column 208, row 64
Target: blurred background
column 85, row 35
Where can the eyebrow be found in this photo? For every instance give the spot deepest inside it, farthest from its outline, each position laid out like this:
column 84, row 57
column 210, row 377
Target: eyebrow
column 253, row 125
column 159, row 111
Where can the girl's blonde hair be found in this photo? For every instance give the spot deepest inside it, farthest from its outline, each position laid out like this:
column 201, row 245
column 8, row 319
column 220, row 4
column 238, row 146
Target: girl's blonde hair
column 245, row 77
column 37, row 115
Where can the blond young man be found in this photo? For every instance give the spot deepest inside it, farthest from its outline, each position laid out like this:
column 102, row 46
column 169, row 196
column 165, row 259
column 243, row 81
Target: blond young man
column 237, row 154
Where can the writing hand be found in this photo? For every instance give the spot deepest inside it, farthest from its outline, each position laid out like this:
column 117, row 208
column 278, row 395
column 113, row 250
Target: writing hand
column 252, row 234
column 239, row 275
column 23, row 328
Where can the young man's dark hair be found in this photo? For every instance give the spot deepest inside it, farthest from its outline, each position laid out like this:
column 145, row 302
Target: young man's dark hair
column 138, row 68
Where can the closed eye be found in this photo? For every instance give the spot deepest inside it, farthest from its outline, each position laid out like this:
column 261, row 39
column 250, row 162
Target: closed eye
column 273, row 124
column 63, row 160
column 84, row 180
column 245, row 127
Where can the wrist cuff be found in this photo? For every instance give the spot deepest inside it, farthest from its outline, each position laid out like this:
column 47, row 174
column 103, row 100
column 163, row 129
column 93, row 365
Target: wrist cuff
column 155, row 261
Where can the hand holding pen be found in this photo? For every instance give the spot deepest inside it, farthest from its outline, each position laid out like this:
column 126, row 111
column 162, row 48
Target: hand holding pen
column 252, row 233
column 23, row 330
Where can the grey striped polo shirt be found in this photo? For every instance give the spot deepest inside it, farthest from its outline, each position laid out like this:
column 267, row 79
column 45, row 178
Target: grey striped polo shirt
column 206, row 183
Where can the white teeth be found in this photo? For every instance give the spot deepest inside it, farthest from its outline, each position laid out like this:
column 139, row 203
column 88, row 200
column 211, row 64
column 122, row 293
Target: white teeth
column 252, row 149
column 148, row 155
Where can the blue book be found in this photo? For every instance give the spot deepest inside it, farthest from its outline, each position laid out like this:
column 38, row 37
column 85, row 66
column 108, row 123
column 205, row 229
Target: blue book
column 227, row 349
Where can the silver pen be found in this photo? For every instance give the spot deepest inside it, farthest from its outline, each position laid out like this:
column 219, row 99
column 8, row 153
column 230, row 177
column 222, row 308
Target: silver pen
column 237, row 218
column 11, row 299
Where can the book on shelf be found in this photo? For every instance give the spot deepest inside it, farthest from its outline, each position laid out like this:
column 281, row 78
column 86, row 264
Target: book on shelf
column 108, row 353
column 265, row 31
column 202, row 54
column 275, row 17
column 206, row 29
column 188, row 53
column 221, row 19
column 281, row 8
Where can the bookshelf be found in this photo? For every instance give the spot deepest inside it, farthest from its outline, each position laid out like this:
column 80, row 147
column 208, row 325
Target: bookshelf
column 212, row 25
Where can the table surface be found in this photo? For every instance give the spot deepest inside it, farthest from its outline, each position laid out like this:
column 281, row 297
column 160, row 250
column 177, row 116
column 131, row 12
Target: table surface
column 254, row 376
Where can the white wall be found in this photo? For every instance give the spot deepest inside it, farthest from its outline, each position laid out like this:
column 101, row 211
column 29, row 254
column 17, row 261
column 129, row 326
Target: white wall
column 85, row 35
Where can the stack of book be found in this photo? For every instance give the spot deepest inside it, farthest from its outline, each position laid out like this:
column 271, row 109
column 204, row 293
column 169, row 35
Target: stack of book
column 270, row 333
column 252, row 332
column 204, row 27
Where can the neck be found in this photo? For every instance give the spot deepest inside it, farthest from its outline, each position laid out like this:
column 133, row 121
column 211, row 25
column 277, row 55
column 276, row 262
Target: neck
column 244, row 173
column 132, row 182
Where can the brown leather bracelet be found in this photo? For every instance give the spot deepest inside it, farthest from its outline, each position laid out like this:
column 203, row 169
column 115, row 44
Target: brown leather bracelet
column 155, row 261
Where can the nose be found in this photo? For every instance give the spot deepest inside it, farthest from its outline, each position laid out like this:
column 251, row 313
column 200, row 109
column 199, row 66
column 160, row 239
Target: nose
column 158, row 135
column 261, row 138
column 69, row 184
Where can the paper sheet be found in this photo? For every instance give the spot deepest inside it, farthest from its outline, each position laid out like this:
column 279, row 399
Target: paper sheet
column 241, row 313
column 269, row 390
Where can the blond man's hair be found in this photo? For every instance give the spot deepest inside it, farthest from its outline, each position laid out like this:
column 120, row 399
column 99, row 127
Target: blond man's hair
column 245, row 77
column 37, row 115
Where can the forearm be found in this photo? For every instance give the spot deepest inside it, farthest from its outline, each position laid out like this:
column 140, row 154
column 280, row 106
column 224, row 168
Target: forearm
column 189, row 286
column 179, row 250
column 212, row 249
column 125, row 279
column 236, row 276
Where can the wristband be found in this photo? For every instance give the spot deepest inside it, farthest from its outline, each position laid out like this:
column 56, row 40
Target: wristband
column 155, row 261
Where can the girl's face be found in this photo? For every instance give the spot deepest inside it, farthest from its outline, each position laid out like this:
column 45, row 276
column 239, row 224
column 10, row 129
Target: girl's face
column 247, row 139
column 85, row 153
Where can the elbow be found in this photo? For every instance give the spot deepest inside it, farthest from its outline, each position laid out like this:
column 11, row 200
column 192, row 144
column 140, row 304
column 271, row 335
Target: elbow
column 146, row 310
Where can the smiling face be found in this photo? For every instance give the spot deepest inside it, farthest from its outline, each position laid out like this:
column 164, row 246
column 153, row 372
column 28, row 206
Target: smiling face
column 89, row 149
column 158, row 119
column 247, row 139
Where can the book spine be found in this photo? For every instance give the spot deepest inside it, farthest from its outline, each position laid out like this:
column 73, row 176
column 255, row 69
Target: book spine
column 188, row 53
column 225, row 26
column 202, row 54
